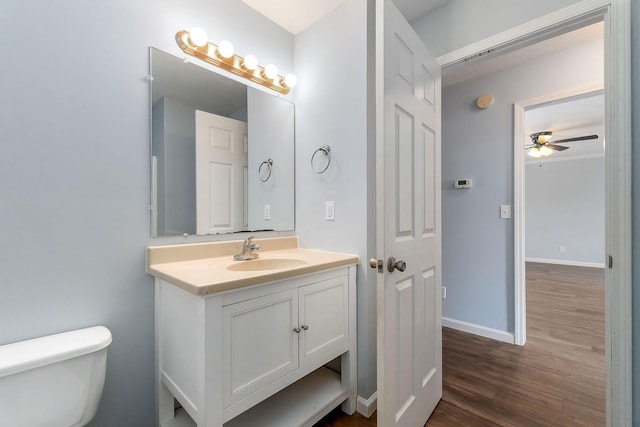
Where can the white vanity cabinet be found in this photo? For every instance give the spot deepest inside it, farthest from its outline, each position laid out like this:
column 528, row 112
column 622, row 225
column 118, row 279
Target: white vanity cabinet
column 256, row 356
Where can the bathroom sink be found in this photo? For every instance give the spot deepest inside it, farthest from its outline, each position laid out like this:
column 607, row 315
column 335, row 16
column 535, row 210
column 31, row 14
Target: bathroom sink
column 262, row 264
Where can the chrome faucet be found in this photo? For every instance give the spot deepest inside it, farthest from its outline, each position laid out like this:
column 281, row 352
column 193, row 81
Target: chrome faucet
column 248, row 248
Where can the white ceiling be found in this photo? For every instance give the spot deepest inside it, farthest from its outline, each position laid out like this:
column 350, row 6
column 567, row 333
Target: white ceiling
column 490, row 65
column 297, row 15
column 564, row 116
column 578, row 116
column 294, row 15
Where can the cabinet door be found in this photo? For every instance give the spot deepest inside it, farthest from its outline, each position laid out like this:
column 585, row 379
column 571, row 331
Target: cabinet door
column 259, row 343
column 324, row 314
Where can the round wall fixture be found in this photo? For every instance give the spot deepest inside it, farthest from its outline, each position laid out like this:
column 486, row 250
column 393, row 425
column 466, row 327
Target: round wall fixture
column 484, row 101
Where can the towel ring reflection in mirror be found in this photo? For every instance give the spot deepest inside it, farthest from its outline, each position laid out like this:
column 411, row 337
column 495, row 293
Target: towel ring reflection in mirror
column 317, row 164
column 264, row 170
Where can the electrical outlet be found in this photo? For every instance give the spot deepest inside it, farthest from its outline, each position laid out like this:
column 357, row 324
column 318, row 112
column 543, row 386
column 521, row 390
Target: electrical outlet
column 444, row 292
column 267, row 211
column 562, row 249
column 330, row 211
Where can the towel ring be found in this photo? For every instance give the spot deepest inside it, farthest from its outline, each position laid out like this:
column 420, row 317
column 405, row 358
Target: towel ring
column 325, row 149
column 269, row 164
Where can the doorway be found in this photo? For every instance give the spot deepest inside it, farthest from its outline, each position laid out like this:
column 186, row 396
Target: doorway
column 589, row 95
column 562, row 193
column 564, row 180
column 617, row 186
column 563, row 216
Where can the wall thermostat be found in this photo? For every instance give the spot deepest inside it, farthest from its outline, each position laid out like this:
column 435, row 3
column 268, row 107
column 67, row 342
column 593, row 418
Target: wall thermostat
column 463, row 183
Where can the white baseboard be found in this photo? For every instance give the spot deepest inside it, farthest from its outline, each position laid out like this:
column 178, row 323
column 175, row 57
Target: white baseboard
column 482, row 331
column 367, row 407
column 566, row 262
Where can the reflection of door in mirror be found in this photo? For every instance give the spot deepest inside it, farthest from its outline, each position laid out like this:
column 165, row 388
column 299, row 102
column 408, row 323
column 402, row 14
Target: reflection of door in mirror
column 221, row 174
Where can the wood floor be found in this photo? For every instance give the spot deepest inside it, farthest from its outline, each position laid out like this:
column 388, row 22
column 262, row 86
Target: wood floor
column 556, row 379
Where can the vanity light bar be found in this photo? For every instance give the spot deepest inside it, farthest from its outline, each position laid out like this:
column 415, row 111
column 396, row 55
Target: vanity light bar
column 195, row 44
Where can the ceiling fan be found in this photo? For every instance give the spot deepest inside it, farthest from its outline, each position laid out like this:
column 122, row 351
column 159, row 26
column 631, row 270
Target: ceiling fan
column 541, row 146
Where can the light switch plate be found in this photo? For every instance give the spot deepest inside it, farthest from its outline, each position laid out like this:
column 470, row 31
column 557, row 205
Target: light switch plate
column 267, row 211
column 330, row 211
column 505, row 211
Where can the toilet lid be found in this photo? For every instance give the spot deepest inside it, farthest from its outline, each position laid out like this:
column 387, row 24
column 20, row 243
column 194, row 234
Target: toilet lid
column 33, row 353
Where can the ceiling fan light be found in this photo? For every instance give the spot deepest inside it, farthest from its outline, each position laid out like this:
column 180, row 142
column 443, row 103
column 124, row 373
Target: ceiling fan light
column 541, row 151
column 534, row 152
column 544, row 138
column 545, row 151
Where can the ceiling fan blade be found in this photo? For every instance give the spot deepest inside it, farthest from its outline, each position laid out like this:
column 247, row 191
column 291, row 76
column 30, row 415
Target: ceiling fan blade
column 557, row 147
column 578, row 138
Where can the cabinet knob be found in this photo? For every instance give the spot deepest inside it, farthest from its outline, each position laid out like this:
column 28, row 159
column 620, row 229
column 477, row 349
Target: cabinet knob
column 305, row 327
column 296, row 330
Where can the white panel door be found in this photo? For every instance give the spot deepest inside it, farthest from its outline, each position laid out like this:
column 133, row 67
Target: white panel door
column 221, row 162
column 408, row 156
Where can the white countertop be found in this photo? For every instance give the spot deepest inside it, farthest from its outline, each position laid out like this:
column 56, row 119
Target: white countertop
column 203, row 268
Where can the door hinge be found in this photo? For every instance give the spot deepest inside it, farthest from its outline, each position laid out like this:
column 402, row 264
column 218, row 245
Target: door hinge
column 610, row 262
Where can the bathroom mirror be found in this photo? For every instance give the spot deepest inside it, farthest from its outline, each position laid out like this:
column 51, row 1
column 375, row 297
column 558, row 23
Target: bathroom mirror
column 222, row 153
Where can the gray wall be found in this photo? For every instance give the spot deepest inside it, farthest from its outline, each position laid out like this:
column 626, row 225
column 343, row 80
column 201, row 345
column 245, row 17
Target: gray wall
column 564, row 206
column 75, row 178
column 175, row 149
column 478, row 144
column 331, row 108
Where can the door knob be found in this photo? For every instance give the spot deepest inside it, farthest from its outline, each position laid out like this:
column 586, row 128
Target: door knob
column 376, row 263
column 392, row 264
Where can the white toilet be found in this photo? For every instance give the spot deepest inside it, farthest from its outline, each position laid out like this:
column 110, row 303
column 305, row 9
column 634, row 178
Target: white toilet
column 53, row 381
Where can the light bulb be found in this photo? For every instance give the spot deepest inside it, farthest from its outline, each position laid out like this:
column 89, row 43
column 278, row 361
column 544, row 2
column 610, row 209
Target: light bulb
column 544, row 138
column 271, row 71
column 542, row 151
column 198, row 37
column 290, row 80
column 225, row 49
column 534, row 152
column 250, row 62
column 545, row 151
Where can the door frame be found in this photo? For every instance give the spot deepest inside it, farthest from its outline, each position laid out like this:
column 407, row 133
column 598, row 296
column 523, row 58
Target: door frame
column 617, row 45
column 519, row 237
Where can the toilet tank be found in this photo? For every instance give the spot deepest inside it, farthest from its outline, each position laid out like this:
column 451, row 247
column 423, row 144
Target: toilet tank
column 55, row 380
